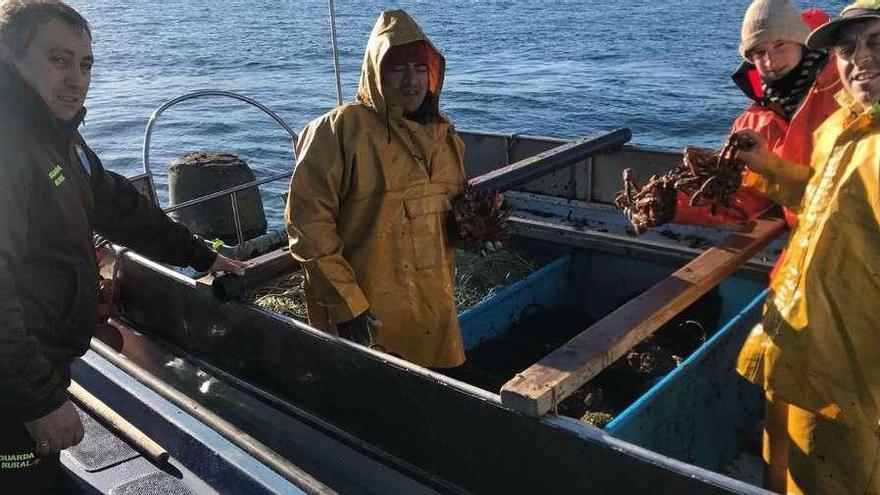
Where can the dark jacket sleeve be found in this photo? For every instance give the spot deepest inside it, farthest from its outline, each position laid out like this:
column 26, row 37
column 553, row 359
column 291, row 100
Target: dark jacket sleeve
column 29, row 388
column 125, row 216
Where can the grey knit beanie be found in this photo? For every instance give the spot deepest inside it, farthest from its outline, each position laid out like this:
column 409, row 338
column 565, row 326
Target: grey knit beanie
column 769, row 20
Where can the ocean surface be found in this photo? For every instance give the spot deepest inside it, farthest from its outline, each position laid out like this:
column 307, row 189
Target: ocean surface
column 550, row 68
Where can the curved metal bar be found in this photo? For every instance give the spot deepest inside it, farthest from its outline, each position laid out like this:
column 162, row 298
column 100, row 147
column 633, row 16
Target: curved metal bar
column 198, row 94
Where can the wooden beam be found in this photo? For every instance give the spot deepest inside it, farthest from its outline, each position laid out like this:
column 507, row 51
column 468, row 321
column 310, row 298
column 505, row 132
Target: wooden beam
column 117, row 424
column 538, row 389
column 524, row 171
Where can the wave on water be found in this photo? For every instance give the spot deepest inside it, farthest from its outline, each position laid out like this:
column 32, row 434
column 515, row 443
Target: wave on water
column 558, row 69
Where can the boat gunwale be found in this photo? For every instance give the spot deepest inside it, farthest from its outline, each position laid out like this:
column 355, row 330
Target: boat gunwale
column 569, row 425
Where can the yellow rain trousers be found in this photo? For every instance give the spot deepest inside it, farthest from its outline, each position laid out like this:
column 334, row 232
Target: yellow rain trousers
column 368, row 207
column 817, row 348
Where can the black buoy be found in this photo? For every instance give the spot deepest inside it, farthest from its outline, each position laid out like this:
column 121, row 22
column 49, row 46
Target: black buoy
column 201, row 173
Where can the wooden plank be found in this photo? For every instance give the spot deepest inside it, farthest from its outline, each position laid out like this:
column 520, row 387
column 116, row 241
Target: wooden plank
column 537, row 390
column 523, row 171
column 117, row 424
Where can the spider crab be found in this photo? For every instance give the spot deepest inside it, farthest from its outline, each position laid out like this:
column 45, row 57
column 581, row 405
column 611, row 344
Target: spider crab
column 481, row 218
column 708, row 178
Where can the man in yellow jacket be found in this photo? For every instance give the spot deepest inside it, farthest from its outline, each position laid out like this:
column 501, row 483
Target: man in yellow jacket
column 818, row 346
column 369, row 202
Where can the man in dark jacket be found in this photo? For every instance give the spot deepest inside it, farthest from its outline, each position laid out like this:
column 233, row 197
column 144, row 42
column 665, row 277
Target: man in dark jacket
column 54, row 193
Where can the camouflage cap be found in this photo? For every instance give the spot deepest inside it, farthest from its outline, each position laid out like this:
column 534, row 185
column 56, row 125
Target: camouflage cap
column 859, row 11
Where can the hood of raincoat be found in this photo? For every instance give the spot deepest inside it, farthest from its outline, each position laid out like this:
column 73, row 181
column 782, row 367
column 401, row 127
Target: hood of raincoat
column 396, row 28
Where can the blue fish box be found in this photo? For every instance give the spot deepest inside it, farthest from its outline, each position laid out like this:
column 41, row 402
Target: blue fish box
column 675, row 417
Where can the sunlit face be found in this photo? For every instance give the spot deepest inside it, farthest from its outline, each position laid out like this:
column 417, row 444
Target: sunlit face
column 58, row 66
column 775, row 59
column 410, row 79
column 858, row 60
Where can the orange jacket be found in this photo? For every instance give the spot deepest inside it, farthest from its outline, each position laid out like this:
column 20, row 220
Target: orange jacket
column 793, row 141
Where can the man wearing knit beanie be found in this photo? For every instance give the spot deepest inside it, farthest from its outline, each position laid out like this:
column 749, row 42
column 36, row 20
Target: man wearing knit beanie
column 816, row 346
column 792, row 91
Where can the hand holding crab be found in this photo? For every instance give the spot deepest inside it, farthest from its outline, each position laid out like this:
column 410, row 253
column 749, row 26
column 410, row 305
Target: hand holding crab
column 481, row 219
column 708, row 178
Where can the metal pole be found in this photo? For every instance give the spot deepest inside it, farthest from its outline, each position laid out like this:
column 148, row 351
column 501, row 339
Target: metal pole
column 335, row 53
column 225, row 192
column 523, row 171
column 237, row 217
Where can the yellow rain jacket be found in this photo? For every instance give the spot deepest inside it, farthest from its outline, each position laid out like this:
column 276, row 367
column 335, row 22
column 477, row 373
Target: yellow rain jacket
column 818, row 346
column 368, row 207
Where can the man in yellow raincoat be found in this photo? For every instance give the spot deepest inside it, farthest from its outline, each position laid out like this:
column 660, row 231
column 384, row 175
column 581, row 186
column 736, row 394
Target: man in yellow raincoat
column 369, row 200
column 818, row 346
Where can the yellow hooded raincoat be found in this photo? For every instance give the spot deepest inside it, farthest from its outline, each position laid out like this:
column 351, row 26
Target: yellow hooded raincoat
column 818, row 346
column 368, row 206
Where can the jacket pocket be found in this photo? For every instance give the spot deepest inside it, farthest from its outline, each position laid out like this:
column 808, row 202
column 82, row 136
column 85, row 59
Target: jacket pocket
column 427, row 219
column 80, row 313
column 61, row 309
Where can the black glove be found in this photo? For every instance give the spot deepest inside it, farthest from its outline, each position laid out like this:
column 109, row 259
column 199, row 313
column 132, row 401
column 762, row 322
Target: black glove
column 359, row 329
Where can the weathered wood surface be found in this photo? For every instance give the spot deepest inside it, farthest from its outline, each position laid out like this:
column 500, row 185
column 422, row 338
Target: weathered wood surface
column 537, row 390
column 117, row 424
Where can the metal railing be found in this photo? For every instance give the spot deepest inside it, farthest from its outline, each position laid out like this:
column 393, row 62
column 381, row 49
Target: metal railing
column 233, row 191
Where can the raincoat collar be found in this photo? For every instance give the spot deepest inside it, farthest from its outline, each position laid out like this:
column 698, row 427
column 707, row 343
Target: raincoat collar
column 856, row 108
column 395, row 28
column 747, row 79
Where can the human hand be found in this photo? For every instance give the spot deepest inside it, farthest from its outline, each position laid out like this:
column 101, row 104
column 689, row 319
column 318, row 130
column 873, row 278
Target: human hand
column 57, row 430
column 758, row 157
column 227, row 265
column 360, row 329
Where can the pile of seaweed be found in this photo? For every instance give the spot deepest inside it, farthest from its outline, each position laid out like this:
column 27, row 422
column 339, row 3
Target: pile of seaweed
column 477, row 277
column 285, row 295
column 480, row 276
